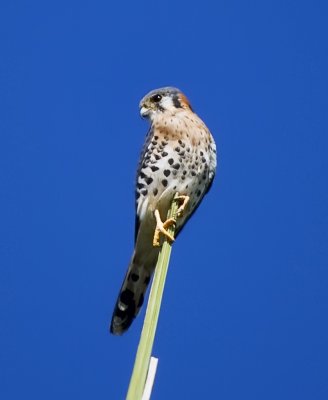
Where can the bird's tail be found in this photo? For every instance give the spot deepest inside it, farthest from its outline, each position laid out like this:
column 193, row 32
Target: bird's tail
column 130, row 298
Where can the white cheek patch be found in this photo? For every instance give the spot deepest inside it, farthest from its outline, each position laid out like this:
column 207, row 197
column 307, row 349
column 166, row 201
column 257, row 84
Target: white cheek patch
column 167, row 103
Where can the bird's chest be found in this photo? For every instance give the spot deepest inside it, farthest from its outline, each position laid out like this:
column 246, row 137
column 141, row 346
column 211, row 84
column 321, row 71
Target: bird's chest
column 176, row 158
column 175, row 165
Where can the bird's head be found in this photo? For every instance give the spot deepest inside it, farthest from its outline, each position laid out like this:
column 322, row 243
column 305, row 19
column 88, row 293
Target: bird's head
column 159, row 101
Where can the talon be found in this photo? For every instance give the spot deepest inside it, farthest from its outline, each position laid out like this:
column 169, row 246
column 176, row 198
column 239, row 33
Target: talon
column 161, row 229
column 185, row 201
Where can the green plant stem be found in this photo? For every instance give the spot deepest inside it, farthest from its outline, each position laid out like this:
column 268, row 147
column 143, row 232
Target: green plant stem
column 146, row 342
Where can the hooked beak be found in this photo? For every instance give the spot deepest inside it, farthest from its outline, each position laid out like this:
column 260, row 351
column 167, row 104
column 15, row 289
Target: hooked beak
column 144, row 111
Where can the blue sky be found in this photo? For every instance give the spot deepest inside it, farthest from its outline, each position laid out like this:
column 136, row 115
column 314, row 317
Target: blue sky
column 246, row 302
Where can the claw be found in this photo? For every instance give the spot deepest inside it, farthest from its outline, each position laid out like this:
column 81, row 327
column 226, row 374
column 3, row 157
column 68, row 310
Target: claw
column 161, row 227
column 185, row 201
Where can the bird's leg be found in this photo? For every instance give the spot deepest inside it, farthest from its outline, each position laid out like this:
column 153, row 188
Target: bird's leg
column 185, row 201
column 161, row 227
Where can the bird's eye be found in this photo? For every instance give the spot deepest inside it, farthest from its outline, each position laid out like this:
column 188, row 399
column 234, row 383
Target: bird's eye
column 156, row 98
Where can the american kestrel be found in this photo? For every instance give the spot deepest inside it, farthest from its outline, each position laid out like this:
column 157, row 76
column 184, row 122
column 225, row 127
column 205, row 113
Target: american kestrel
column 179, row 156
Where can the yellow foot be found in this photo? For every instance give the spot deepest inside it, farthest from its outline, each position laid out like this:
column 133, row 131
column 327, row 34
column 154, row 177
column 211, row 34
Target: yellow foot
column 161, row 228
column 185, row 201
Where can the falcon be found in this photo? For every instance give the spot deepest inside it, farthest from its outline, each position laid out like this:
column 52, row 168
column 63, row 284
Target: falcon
column 179, row 156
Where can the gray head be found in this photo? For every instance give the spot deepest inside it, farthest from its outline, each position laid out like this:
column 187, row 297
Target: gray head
column 163, row 99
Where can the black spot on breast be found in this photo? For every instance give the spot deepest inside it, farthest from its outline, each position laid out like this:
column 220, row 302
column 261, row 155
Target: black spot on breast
column 155, row 137
column 170, row 161
column 155, row 191
column 184, row 172
column 198, row 193
column 166, row 172
column 164, row 182
column 193, row 173
column 153, row 168
column 177, row 149
column 137, row 195
column 157, row 157
column 176, row 166
column 144, row 192
column 142, row 175
column 182, row 144
column 182, row 153
column 203, row 159
column 164, row 153
column 148, row 180
column 188, row 149
column 201, row 153
column 163, row 143
column 183, row 177
column 140, row 185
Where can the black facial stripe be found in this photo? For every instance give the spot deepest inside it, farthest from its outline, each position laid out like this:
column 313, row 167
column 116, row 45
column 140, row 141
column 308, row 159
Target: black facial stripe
column 176, row 101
